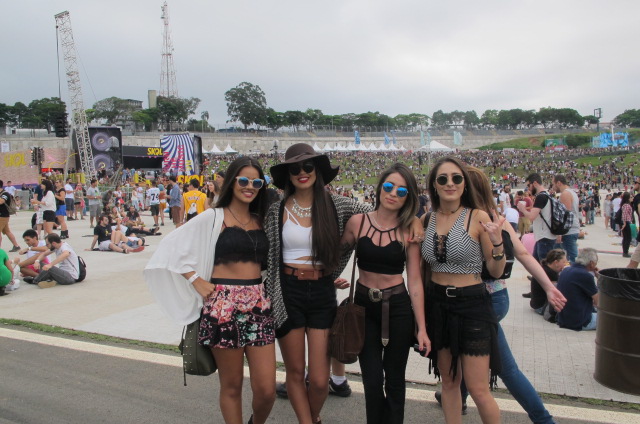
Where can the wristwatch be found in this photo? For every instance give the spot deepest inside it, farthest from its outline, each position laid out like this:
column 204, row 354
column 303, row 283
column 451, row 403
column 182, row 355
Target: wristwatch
column 497, row 257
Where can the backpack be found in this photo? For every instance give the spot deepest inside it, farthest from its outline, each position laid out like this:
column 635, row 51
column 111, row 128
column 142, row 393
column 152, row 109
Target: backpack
column 11, row 205
column 617, row 219
column 561, row 217
column 82, row 271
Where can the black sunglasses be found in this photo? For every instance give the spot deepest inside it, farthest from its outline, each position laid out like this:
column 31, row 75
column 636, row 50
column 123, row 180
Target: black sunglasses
column 307, row 167
column 256, row 183
column 443, row 179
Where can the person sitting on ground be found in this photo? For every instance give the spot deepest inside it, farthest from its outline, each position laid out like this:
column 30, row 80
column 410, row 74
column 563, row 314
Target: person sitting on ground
column 31, row 252
column 6, row 271
column 135, row 224
column 67, row 270
column 104, row 236
column 555, row 262
column 577, row 284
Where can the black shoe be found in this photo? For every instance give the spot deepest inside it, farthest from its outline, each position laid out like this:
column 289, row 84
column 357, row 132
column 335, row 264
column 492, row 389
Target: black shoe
column 438, row 397
column 3, row 292
column 251, row 419
column 529, row 277
column 526, row 295
column 281, row 390
column 14, row 249
column 626, row 255
column 342, row 390
column 28, row 280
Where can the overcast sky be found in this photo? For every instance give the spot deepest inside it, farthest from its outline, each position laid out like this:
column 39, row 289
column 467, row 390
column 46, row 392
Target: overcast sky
column 346, row 56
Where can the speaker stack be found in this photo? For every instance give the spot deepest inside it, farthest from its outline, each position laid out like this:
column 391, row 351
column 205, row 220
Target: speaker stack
column 106, row 146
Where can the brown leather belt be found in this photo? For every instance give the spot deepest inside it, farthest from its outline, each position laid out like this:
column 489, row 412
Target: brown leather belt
column 304, row 274
column 377, row 295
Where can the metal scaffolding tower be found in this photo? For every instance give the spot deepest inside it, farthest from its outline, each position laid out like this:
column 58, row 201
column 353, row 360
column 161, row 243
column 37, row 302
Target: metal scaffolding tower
column 168, row 85
column 78, row 116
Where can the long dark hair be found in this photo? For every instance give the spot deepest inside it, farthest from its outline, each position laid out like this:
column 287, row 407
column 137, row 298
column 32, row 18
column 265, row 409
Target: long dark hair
column 325, row 234
column 258, row 205
column 48, row 186
column 468, row 199
column 411, row 204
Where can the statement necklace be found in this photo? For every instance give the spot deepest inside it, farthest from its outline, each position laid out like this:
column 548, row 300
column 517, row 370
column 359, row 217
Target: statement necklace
column 299, row 210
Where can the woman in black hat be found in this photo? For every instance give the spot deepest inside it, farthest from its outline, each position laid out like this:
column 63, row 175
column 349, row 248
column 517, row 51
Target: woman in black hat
column 304, row 232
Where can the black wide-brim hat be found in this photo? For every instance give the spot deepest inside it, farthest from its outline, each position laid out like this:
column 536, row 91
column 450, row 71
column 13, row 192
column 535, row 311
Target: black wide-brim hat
column 297, row 153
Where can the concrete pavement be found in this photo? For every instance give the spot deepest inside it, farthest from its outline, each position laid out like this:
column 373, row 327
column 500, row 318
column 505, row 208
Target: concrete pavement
column 114, row 300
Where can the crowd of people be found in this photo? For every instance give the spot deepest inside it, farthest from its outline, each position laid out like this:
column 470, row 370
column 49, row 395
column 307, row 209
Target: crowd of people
column 454, row 232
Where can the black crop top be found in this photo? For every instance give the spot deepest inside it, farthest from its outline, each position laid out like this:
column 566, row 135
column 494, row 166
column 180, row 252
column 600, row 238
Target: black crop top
column 237, row 245
column 388, row 259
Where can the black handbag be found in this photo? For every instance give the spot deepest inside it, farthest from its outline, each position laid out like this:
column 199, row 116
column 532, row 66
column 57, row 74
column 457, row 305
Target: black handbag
column 196, row 359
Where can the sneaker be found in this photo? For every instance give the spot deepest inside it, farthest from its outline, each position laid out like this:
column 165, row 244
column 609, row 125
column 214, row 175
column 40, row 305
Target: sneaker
column 438, row 396
column 162, row 224
column 526, row 295
column 15, row 249
column 138, row 249
column 13, row 285
column 281, row 390
column 342, row 390
column 47, row 284
column 28, row 280
column 626, row 255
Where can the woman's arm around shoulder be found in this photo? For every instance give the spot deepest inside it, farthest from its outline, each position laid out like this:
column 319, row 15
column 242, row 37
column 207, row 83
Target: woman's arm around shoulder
column 416, row 293
column 349, row 235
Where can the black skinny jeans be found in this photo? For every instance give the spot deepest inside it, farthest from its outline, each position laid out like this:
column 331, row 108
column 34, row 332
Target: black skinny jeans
column 383, row 367
column 626, row 238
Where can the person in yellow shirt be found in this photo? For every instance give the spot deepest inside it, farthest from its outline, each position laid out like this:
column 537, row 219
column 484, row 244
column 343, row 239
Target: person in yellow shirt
column 193, row 200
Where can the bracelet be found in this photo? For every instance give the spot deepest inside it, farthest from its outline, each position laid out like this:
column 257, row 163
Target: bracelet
column 499, row 244
column 193, row 278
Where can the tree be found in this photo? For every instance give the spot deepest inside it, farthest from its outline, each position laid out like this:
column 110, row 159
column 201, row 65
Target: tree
column 18, row 112
column 275, row 120
column 440, row 120
column 42, row 113
column 176, row 109
column 5, row 115
column 246, row 103
column 146, row 118
column 489, row 118
column 590, row 119
column 311, row 118
column 471, row 119
column 294, row 119
column 628, row 118
column 113, row 110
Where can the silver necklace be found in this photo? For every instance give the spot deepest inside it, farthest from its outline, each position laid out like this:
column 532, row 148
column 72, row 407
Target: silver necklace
column 378, row 225
column 299, row 210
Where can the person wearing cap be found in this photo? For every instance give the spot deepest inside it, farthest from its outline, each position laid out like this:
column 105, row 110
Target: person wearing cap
column 305, row 261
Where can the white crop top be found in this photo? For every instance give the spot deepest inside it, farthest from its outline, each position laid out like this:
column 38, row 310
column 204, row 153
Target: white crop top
column 296, row 241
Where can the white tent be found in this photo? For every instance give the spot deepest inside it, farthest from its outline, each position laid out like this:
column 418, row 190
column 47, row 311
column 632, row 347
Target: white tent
column 372, row 148
column 341, row 148
column 328, row 148
column 434, row 146
column 215, row 151
column 382, row 148
column 351, row 147
column 393, row 148
column 316, row 147
column 229, row 150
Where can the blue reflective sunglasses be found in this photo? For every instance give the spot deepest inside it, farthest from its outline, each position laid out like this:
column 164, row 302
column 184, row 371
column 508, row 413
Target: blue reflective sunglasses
column 244, row 181
column 400, row 191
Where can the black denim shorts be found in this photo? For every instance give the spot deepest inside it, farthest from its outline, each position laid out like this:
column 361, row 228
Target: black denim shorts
column 309, row 304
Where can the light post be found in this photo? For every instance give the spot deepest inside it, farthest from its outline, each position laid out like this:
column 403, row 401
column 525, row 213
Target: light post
column 598, row 114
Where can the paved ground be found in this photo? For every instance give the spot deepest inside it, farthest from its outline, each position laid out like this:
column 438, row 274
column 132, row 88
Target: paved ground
column 114, row 300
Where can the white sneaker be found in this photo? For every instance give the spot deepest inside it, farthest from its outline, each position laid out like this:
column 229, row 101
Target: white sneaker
column 13, row 285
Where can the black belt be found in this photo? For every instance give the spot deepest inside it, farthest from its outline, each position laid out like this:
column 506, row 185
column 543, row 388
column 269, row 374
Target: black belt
column 378, row 295
column 468, row 291
column 236, row 282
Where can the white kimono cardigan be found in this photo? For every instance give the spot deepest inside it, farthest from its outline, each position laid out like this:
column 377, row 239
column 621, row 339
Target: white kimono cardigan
column 190, row 247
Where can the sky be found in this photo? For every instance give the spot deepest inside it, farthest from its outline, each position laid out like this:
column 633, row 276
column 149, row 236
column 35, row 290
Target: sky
column 348, row 56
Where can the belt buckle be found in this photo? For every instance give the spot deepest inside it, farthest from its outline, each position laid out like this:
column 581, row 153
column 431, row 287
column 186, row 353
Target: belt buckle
column 301, row 274
column 446, row 291
column 375, row 295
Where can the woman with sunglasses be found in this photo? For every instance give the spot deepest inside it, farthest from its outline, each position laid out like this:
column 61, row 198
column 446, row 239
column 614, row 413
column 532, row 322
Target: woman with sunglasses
column 211, row 268
column 515, row 381
column 462, row 324
column 382, row 252
column 304, row 232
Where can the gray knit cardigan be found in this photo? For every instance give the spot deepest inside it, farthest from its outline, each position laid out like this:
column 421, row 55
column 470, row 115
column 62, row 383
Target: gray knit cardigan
column 345, row 208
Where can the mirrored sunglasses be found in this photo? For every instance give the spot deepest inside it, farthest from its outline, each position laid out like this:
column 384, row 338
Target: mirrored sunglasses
column 255, row 183
column 400, row 191
column 443, row 179
column 307, row 167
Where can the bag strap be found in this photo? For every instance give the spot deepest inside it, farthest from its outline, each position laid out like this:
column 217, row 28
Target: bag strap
column 551, row 199
column 355, row 256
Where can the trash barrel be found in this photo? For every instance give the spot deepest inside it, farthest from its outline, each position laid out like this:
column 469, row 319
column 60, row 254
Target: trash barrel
column 618, row 331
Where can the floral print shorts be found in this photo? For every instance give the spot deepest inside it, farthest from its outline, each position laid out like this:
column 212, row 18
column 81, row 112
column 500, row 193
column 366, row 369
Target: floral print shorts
column 237, row 315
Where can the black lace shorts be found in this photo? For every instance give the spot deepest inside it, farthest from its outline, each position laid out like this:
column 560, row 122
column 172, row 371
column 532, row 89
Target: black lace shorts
column 452, row 322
